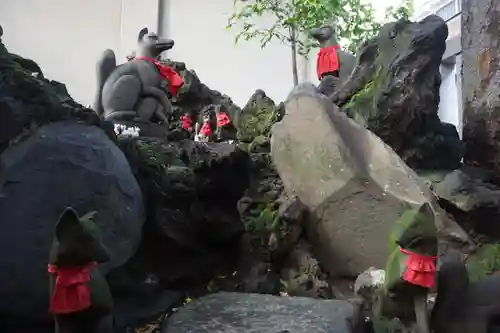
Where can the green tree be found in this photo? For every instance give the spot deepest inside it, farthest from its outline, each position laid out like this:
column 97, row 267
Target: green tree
column 292, row 19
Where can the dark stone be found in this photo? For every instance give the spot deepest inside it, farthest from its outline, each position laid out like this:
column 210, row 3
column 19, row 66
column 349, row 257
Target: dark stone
column 469, row 195
column 257, row 117
column 59, row 165
column 192, row 191
column 255, row 313
column 463, row 306
column 481, row 82
column 328, row 85
column 394, row 92
column 302, row 274
column 261, row 278
column 136, row 312
column 27, row 64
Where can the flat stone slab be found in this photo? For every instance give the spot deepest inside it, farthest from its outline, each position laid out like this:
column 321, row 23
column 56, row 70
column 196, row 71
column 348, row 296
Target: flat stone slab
column 257, row 313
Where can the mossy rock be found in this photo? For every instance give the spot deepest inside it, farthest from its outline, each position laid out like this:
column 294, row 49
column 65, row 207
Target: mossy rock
column 257, row 117
column 484, row 262
column 263, row 219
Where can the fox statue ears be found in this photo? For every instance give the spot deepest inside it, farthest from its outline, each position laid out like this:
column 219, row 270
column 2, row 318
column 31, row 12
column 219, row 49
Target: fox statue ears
column 68, row 223
column 144, row 31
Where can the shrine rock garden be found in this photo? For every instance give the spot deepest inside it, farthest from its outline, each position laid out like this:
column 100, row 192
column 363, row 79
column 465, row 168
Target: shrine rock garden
column 228, row 236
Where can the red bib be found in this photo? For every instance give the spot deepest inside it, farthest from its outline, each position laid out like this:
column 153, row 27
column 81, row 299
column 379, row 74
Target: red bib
column 71, row 293
column 420, row 269
column 222, row 119
column 175, row 81
column 328, row 60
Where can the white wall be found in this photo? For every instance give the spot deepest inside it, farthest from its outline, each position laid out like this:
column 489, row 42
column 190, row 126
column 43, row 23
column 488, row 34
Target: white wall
column 204, row 44
column 449, row 109
column 65, row 37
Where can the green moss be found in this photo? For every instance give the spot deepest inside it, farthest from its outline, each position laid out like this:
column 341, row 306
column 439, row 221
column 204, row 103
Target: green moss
column 485, row 262
column 264, row 219
column 257, row 121
column 363, row 97
column 152, row 157
column 259, row 141
column 363, row 104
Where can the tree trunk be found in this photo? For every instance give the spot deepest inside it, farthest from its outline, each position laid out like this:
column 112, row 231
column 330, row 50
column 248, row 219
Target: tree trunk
column 293, row 35
column 481, row 82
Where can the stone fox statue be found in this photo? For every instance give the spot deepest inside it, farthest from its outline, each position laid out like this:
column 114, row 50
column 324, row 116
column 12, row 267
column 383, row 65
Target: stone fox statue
column 80, row 299
column 136, row 90
column 331, row 59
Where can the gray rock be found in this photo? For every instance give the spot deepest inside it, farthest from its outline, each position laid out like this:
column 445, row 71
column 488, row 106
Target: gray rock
column 481, row 82
column 475, row 198
column 255, row 313
column 60, row 164
column 354, row 184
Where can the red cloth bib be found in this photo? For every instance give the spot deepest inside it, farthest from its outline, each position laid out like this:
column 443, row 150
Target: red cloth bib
column 222, row 119
column 206, row 129
column 175, row 81
column 71, row 293
column 420, row 269
column 328, row 60
column 187, row 123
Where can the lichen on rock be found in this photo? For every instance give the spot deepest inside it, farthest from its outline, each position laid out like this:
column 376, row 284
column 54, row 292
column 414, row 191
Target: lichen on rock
column 257, row 117
column 394, row 92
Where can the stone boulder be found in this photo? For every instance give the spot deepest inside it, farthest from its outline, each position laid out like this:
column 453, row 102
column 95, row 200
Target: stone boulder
column 394, row 92
column 253, row 313
column 480, row 41
column 473, row 199
column 192, row 190
column 61, row 164
column 257, row 117
column 355, row 185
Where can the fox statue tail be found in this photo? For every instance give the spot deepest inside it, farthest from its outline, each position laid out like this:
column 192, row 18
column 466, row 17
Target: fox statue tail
column 105, row 65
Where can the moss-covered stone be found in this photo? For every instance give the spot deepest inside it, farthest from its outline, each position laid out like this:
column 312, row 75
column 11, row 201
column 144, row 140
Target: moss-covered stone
column 394, row 92
column 257, row 117
column 485, row 262
column 264, row 219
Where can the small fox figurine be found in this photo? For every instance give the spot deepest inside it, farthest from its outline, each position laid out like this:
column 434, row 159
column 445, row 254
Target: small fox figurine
column 80, row 300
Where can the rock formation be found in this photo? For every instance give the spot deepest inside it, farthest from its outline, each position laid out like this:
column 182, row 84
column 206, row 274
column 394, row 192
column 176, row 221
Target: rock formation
column 191, row 195
column 265, row 313
column 355, row 185
column 481, row 83
column 183, row 219
column 394, row 92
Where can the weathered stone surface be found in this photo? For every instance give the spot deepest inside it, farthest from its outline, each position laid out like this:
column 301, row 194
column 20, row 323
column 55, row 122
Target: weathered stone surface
column 257, row 117
column 60, row 164
column 394, row 92
column 475, row 199
column 354, row 184
column 192, row 190
column 481, row 82
column 253, row 313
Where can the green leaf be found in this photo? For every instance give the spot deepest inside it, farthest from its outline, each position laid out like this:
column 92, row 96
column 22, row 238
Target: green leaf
column 355, row 20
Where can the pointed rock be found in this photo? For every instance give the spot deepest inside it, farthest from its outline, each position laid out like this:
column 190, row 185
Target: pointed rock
column 355, row 185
